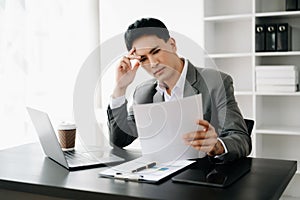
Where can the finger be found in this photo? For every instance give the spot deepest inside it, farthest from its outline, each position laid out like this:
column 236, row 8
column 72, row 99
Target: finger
column 124, row 66
column 203, row 148
column 204, row 123
column 127, row 61
column 131, row 55
column 136, row 66
column 132, row 50
column 195, row 135
column 206, row 142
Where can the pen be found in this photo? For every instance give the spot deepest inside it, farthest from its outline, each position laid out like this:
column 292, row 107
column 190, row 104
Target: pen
column 144, row 167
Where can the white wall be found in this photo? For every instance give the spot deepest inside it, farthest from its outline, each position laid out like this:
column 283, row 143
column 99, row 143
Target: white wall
column 184, row 17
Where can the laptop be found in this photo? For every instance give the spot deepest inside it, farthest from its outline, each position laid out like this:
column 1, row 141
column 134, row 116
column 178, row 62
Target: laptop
column 72, row 160
column 206, row 173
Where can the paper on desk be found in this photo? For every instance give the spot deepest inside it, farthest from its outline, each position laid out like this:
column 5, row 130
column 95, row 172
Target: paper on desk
column 154, row 174
column 161, row 126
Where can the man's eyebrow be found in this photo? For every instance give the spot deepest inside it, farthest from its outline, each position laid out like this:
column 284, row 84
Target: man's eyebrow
column 153, row 49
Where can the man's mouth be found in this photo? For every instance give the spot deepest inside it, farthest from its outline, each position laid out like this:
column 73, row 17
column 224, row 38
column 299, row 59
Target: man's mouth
column 159, row 71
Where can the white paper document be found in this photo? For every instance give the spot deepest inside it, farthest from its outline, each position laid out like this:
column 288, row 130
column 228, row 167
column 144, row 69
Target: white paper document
column 161, row 127
column 150, row 175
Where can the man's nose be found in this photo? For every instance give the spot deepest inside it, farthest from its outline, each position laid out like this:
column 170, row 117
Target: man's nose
column 153, row 61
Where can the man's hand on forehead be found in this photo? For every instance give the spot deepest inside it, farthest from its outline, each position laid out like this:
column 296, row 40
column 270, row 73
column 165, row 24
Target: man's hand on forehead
column 132, row 54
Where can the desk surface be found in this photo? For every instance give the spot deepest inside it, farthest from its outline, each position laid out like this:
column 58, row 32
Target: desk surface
column 25, row 169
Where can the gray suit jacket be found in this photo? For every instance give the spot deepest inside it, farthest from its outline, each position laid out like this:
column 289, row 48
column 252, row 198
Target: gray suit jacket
column 219, row 108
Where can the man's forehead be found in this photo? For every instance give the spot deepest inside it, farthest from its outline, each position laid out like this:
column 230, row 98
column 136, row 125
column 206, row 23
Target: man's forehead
column 147, row 41
column 145, row 49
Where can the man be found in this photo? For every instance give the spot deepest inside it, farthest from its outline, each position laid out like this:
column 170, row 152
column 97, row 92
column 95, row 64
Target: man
column 224, row 135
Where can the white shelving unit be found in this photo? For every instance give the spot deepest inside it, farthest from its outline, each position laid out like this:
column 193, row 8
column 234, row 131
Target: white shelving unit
column 229, row 39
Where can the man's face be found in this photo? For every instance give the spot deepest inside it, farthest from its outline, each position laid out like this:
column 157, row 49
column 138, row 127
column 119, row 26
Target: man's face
column 158, row 57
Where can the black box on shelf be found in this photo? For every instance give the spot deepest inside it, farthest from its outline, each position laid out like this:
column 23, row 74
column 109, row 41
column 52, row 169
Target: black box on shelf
column 271, row 37
column 298, row 5
column 284, row 37
column 291, row 5
column 260, row 35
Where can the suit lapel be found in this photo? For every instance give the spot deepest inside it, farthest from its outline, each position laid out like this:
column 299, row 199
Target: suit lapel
column 158, row 98
column 191, row 80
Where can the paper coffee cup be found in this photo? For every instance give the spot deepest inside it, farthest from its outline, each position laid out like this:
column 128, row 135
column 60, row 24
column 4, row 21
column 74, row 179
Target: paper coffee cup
column 67, row 135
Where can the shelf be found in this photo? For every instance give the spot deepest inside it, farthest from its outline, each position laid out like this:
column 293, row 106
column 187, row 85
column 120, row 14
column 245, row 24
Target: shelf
column 278, row 130
column 277, row 93
column 236, row 55
column 243, row 93
column 285, row 14
column 229, row 55
column 229, row 38
column 228, row 18
column 286, row 53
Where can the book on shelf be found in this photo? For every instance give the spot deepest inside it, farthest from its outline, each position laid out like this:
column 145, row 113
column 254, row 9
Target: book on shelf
column 276, row 67
column 276, row 81
column 277, row 88
column 277, row 71
column 277, row 74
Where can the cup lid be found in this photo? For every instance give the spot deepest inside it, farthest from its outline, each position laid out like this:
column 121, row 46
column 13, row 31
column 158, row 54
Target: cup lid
column 66, row 126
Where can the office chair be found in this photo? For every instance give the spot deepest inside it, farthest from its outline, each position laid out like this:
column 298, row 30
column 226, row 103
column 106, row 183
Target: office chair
column 250, row 124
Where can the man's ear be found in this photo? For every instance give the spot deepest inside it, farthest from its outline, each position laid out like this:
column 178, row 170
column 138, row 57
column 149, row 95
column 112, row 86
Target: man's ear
column 173, row 44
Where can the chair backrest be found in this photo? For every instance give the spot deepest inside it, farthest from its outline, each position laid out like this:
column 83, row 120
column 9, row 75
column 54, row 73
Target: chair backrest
column 250, row 124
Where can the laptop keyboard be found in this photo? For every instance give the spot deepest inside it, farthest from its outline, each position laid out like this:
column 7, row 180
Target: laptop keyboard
column 77, row 158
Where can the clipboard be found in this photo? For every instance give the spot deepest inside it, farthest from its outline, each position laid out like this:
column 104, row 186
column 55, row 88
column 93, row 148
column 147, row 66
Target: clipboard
column 152, row 174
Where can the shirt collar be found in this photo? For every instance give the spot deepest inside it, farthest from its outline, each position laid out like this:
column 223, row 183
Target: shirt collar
column 161, row 87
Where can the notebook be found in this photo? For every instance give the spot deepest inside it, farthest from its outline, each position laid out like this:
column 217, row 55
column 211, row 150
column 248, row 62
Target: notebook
column 207, row 173
column 72, row 160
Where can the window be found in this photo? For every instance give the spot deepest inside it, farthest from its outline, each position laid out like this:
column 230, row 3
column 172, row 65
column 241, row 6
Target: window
column 42, row 47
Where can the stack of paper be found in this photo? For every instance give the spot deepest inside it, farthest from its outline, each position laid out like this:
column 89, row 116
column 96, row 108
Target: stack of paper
column 273, row 78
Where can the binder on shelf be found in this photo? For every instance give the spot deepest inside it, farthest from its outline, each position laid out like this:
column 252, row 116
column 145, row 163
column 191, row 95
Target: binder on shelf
column 271, row 35
column 283, row 37
column 260, row 35
column 291, row 5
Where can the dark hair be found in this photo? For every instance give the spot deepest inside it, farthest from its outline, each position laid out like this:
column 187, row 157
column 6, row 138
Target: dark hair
column 145, row 26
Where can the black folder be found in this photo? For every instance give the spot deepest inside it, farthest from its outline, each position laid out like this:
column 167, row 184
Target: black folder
column 216, row 175
column 260, row 35
column 283, row 37
column 271, row 37
column 291, row 5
